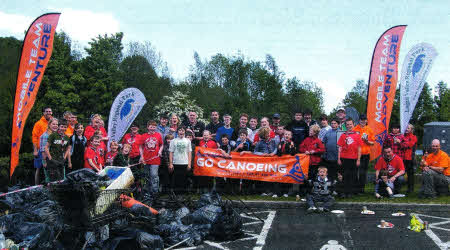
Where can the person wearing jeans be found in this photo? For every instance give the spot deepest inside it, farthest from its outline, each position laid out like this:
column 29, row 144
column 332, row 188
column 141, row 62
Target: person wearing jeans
column 150, row 148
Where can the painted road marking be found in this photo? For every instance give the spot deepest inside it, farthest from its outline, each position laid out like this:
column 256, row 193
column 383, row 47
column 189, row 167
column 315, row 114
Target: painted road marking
column 442, row 245
column 259, row 237
column 265, row 231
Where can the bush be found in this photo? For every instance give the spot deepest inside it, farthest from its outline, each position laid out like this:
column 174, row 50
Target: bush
column 24, row 172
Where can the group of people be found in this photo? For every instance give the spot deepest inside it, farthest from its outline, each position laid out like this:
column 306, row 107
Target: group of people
column 339, row 153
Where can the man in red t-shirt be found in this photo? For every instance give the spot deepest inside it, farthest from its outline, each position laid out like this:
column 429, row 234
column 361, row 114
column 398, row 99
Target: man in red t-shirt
column 349, row 156
column 150, row 148
column 394, row 165
column 133, row 138
column 92, row 156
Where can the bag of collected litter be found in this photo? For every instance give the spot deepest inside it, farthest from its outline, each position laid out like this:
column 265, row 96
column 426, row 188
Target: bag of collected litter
column 212, row 198
column 149, row 241
column 85, row 175
column 165, row 216
column 181, row 213
column 33, row 235
column 46, row 211
column 205, row 215
column 228, row 225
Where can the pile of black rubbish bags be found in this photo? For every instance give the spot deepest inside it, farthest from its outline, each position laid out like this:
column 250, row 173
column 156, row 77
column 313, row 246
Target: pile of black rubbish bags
column 35, row 218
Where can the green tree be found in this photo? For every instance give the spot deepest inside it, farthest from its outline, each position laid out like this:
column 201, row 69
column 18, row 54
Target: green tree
column 59, row 85
column 10, row 49
column 304, row 95
column 180, row 104
column 357, row 97
column 442, row 102
column 137, row 72
column 101, row 77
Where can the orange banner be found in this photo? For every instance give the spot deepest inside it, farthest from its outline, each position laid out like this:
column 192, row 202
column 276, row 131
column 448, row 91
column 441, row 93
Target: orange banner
column 383, row 84
column 287, row 169
column 36, row 51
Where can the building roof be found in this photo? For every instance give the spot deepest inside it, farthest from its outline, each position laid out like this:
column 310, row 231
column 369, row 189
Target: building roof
column 446, row 124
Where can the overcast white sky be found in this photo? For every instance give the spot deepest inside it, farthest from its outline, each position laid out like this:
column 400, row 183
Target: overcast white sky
column 328, row 42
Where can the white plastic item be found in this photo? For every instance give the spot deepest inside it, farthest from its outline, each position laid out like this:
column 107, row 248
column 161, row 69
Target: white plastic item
column 122, row 182
column 2, row 241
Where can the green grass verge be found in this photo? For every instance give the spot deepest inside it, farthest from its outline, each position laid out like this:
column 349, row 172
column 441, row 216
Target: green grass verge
column 367, row 197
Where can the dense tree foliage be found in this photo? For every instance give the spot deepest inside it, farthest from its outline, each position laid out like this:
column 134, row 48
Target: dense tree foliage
column 87, row 82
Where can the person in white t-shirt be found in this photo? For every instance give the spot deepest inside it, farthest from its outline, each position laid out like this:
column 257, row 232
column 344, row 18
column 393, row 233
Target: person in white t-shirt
column 179, row 160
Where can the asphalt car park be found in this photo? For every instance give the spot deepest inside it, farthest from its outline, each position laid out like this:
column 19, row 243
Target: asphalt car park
column 278, row 226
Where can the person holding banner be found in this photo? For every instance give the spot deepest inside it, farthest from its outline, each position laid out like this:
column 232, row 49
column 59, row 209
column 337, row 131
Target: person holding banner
column 150, row 148
column 264, row 124
column 410, row 145
column 205, row 182
column 368, row 139
column 265, row 147
column 39, row 128
column 349, row 158
column 179, row 160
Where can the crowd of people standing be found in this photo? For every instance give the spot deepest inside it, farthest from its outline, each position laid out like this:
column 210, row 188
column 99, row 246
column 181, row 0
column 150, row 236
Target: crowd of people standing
column 339, row 151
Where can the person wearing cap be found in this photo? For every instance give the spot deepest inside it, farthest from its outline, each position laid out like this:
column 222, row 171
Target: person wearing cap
column 342, row 117
column 299, row 128
column 368, row 139
column 276, row 118
column 133, row 139
column 163, row 128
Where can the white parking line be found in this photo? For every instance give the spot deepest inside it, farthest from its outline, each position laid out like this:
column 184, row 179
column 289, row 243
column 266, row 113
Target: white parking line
column 442, row 245
column 265, row 231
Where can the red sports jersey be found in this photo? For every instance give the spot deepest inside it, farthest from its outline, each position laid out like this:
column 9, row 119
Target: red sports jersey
column 151, row 144
column 130, row 139
column 393, row 167
column 349, row 143
column 91, row 153
column 208, row 144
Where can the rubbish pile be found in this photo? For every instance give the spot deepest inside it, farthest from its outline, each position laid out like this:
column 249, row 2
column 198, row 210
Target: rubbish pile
column 79, row 213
